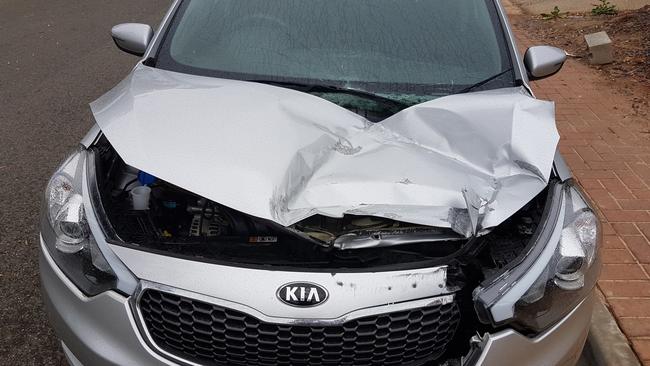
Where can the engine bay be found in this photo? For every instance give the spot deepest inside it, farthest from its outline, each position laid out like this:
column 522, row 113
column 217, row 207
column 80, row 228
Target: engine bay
column 179, row 222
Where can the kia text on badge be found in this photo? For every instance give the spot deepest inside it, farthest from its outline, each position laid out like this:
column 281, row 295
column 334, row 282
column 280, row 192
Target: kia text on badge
column 302, row 294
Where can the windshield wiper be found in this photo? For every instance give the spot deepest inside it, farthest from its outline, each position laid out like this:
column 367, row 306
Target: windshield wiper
column 483, row 82
column 391, row 104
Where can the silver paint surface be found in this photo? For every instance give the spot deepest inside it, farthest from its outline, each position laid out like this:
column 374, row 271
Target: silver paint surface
column 253, row 290
column 285, row 155
column 544, row 61
column 132, row 37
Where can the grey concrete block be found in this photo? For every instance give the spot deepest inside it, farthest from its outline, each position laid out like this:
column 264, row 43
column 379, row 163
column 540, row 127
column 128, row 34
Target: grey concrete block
column 600, row 48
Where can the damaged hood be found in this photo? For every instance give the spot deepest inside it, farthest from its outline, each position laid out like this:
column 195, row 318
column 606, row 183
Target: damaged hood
column 284, row 155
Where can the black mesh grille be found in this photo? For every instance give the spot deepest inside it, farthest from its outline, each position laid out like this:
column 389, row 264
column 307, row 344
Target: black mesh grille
column 210, row 334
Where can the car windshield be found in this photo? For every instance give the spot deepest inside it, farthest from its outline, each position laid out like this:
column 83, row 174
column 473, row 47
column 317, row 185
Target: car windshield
column 417, row 49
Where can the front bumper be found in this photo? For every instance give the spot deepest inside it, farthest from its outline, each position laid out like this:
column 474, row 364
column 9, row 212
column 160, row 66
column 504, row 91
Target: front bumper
column 97, row 330
column 101, row 330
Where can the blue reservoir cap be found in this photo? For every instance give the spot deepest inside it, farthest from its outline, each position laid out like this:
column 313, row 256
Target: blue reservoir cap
column 145, row 178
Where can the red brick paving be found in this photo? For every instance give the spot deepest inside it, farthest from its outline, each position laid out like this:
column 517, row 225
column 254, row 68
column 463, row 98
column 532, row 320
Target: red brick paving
column 608, row 149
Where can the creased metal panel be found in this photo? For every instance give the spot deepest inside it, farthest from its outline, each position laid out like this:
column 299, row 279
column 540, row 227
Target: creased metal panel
column 284, row 155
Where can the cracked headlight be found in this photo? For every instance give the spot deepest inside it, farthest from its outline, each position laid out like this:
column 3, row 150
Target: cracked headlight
column 559, row 270
column 65, row 229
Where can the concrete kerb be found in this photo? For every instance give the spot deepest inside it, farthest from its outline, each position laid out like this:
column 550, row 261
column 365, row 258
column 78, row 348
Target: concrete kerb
column 606, row 344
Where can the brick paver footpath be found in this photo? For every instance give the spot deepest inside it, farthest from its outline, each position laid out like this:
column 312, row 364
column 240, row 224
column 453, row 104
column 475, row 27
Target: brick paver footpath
column 609, row 155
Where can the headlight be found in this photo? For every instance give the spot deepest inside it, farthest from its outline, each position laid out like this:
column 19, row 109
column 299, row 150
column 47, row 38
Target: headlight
column 559, row 270
column 65, row 229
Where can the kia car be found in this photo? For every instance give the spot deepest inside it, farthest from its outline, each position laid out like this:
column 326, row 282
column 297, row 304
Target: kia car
column 321, row 182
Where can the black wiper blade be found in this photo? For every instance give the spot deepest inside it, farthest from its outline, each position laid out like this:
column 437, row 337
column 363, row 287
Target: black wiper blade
column 284, row 84
column 483, row 82
column 392, row 104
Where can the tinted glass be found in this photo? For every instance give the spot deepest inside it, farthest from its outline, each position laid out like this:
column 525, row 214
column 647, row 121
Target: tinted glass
column 396, row 46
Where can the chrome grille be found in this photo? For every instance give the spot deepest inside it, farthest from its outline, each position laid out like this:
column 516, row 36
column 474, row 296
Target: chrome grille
column 209, row 334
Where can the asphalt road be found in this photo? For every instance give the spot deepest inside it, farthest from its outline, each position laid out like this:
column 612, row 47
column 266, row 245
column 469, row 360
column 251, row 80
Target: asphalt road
column 55, row 58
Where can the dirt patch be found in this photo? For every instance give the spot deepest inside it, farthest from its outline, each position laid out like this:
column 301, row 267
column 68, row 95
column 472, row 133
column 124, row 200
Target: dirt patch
column 541, row 6
column 630, row 32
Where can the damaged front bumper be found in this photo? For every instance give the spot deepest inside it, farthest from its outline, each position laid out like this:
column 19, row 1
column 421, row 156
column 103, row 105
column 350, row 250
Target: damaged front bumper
column 560, row 345
column 354, row 294
column 102, row 330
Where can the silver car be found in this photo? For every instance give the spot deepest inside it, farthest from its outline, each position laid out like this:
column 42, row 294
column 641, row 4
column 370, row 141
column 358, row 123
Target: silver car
column 366, row 182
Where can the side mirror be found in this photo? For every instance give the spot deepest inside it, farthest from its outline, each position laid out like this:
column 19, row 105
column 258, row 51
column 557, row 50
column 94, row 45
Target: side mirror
column 132, row 38
column 543, row 61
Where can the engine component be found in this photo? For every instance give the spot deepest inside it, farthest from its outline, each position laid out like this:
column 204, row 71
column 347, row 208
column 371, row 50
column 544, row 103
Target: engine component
column 206, row 221
column 392, row 238
column 204, row 227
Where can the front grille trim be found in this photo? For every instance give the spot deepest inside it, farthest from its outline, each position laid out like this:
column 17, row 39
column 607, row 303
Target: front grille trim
column 144, row 285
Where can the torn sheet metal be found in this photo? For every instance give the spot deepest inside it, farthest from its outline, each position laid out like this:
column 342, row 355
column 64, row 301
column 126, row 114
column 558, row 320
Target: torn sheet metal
column 284, row 155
